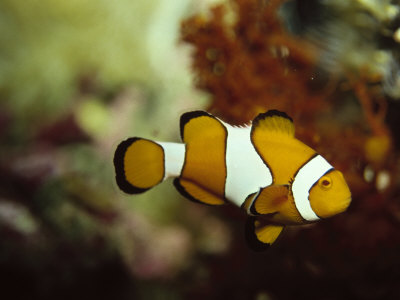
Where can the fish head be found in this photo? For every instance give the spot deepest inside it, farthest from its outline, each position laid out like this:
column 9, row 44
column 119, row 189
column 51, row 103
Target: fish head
column 330, row 195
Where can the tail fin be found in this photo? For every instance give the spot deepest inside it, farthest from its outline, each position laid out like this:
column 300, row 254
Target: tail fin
column 139, row 165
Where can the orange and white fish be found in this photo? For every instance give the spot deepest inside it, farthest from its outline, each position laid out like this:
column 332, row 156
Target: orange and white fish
column 262, row 168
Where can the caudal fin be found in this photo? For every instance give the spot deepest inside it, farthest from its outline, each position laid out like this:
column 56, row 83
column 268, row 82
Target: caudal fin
column 139, row 165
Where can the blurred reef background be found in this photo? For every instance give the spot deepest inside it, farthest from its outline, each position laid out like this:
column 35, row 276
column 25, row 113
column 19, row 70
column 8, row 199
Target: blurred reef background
column 77, row 77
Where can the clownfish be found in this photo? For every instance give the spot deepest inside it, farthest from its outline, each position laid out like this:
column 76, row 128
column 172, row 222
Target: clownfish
column 261, row 167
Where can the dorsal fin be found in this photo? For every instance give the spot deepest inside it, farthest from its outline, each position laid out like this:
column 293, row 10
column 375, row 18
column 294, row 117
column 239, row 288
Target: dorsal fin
column 274, row 121
column 196, row 119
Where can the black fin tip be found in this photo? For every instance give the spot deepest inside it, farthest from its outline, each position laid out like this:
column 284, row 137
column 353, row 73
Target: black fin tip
column 120, row 178
column 185, row 194
column 271, row 113
column 186, row 117
column 252, row 241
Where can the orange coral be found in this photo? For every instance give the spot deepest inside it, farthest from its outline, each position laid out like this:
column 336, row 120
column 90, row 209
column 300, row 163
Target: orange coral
column 253, row 64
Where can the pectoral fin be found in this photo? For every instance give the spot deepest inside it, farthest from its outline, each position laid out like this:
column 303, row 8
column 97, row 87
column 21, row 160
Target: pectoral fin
column 268, row 200
column 260, row 235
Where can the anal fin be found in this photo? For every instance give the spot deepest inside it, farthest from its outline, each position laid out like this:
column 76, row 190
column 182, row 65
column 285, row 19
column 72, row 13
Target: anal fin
column 260, row 234
column 196, row 193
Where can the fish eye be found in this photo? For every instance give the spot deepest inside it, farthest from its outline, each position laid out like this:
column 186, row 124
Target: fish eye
column 325, row 182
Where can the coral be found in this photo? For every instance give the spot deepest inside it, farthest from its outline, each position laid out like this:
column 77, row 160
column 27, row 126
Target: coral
column 250, row 62
column 253, row 63
column 79, row 76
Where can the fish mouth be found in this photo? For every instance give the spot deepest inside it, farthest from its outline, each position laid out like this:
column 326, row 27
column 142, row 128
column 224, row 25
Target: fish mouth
column 345, row 204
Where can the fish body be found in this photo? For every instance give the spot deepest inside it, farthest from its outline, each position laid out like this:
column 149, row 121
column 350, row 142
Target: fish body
column 261, row 167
